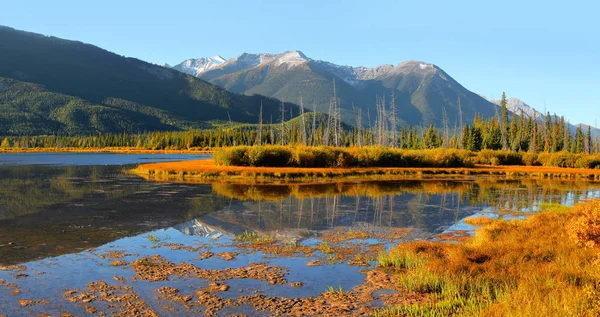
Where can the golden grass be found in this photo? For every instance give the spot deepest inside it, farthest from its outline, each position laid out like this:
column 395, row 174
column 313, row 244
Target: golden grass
column 531, row 267
column 206, row 171
column 479, row 221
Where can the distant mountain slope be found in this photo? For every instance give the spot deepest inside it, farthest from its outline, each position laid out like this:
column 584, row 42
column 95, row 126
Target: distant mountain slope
column 198, row 66
column 55, row 86
column 423, row 91
column 517, row 105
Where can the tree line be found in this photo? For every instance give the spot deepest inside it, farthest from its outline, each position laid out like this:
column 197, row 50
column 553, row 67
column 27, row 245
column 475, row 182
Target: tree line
column 518, row 133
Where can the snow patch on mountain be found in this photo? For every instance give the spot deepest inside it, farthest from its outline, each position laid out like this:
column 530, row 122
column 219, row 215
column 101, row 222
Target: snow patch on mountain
column 197, row 66
column 291, row 59
column 517, row 105
column 355, row 76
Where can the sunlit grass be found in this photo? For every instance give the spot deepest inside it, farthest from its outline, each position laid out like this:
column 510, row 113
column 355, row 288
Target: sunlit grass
column 545, row 265
column 479, row 221
column 253, row 237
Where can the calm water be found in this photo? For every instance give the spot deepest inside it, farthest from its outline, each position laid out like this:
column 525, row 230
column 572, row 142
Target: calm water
column 59, row 211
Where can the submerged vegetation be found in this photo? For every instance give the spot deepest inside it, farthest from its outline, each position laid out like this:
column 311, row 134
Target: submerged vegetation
column 545, row 265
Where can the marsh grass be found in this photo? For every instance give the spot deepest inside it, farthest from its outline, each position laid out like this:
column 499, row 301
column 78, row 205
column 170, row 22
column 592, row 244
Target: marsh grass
column 479, row 221
column 369, row 156
column 377, row 156
column 251, row 237
column 545, row 265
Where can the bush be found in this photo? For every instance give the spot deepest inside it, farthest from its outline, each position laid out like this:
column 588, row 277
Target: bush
column 272, row 156
column 232, row 156
column 491, row 157
column 566, row 159
column 314, row 156
column 530, row 159
column 586, row 228
column 303, row 156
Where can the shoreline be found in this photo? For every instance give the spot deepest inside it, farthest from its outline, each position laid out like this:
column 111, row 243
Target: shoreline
column 206, row 171
column 116, row 150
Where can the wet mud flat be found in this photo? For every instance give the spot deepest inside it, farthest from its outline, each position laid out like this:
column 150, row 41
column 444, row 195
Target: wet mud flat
column 167, row 273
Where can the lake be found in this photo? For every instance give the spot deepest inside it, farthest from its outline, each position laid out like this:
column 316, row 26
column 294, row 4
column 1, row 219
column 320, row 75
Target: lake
column 76, row 227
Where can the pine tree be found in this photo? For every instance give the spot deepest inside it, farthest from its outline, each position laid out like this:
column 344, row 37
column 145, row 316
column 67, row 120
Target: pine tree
column 504, row 124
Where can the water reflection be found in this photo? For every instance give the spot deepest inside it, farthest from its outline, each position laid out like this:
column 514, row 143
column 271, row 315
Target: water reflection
column 48, row 211
column 429, row 205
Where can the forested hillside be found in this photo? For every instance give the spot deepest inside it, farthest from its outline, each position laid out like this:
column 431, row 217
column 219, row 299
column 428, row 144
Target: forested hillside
column 54, row 86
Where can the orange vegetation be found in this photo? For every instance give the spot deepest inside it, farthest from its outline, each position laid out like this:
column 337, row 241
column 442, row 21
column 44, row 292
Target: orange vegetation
column 206, row 171
column 544, row 265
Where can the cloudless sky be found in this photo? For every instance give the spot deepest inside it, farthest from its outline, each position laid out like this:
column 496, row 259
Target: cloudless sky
column 546, row 53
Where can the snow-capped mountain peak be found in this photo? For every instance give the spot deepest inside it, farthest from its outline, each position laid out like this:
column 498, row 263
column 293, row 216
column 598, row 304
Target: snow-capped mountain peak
column 197, row 66
column 291, row 58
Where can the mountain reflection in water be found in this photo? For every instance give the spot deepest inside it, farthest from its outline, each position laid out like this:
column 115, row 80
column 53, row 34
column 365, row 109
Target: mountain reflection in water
column 48, row 211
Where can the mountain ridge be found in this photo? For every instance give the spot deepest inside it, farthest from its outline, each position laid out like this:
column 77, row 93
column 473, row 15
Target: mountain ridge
column 423, row 91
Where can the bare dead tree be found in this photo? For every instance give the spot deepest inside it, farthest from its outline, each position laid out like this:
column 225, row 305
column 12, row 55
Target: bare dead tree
column 445, row 127
column 370, row 140
column 336, row 117
column 393, row 124
column 272, row 133
column 460, row 125
column 358, row 126
column 292, row 132
column 260, row 125
column 282, row 124
column 231, row 128
column 381, row 122
column 314, row 124
column 327, row 131
column 303, row 131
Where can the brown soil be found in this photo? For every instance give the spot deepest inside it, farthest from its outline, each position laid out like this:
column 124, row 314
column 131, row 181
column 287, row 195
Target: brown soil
column 28, row 302
column 156, row 268
column 273, row 248
column 313, row 263
column 172, row 294
column 119, row 263
column 13, row 268
column 215, row 287
column 178, row 246
column 228, row 256
column 114, row 255
column 205, row 255
column 121, row 299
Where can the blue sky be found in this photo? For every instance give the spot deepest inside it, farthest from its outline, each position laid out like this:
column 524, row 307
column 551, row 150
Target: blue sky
column 544, row 52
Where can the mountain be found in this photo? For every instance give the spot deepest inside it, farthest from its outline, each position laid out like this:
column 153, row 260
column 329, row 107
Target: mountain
column 517, row 105
column 196, row 67
column 50, row 85
column 422, row 91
